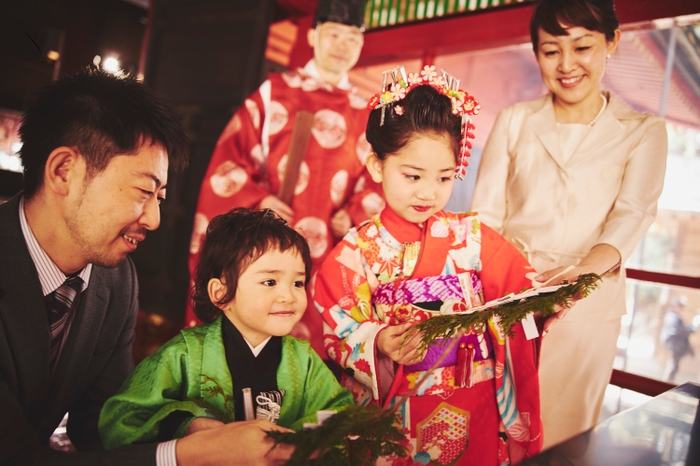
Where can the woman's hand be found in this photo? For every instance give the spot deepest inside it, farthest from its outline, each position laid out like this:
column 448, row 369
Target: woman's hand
column 280, row 208
column 559, row 275
column 391, row 342
column 602, row 259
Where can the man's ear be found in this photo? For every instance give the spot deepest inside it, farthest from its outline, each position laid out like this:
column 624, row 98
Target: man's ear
column 374, row 167
column 216, row 290
column 63, row 167
column 311, row 37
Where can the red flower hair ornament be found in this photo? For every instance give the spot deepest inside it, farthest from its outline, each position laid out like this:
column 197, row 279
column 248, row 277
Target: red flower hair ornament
column 463, row 104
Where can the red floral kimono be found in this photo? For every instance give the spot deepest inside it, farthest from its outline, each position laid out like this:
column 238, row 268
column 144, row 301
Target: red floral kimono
column 389, row 271
column 250, row 159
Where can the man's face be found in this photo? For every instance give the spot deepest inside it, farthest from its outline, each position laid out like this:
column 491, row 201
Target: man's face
column 336, row 46
column 111, row 214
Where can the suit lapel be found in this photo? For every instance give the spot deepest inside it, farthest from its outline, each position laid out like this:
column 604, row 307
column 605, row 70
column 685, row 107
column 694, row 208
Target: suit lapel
column 544, row 125
column 82, row 339
column 22, row 308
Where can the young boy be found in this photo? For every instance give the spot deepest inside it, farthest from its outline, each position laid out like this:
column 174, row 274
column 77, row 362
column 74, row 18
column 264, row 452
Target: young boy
column 241, row 365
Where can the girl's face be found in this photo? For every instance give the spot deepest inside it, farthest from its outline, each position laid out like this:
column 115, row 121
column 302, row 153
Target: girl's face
column 270, row 297
column 418, row 179
column 573, row 65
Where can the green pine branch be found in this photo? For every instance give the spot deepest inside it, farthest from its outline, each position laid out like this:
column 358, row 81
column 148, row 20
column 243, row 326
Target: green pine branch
column 507, row 315
column 357, row 435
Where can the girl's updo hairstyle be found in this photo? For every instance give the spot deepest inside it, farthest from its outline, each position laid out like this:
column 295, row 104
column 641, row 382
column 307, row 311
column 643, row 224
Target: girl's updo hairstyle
column 594, row 15
column 425, row 111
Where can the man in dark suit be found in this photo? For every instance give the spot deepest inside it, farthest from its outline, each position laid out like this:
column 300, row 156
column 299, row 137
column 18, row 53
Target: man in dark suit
column 96, row 151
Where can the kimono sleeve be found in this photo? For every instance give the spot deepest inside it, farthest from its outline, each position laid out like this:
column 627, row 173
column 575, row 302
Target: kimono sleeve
column 504, row 270
column 156, row 389
column 235, row 175
column 342, row 295
column 321, row 390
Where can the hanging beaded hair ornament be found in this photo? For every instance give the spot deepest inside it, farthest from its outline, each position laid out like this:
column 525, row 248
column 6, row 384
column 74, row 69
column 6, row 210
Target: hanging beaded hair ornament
column 463, row 105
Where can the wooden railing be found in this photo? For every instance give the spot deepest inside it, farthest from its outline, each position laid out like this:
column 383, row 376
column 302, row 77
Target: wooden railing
column 638, row 383
column 380, row 13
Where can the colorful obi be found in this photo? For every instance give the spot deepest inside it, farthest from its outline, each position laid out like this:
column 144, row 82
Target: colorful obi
column 435, row 350
column 417, row 299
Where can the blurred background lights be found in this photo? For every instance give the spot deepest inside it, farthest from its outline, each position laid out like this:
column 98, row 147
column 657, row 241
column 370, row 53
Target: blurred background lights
column 53, row 55
column 96, row 61
column 111, row 65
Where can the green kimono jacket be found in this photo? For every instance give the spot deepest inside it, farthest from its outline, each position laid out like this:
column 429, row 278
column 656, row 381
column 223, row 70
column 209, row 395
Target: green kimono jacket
column 189, row 374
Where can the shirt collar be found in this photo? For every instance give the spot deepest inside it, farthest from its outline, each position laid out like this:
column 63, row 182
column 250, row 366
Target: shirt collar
column 50, row 276
column 257, row 349
column 312, row 71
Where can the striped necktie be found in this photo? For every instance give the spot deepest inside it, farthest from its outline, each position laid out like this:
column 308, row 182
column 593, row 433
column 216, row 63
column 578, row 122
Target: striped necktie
column 62, row 302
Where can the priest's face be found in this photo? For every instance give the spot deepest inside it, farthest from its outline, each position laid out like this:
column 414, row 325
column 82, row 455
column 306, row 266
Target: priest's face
column 270, row 297
column 336, row 47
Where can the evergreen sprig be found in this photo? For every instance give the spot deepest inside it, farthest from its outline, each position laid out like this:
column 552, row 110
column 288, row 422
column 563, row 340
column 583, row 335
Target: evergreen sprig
column 508, row 314
column 357, row 435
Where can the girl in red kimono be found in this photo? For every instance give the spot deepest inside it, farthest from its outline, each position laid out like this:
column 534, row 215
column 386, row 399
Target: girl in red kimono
column 414, row 261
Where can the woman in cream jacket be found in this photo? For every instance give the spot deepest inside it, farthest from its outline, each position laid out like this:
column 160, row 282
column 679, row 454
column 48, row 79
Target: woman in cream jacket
column 572, row 179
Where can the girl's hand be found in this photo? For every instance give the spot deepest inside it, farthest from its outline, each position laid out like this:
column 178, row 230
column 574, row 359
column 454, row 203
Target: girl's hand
column 391, row 342
column 561, row 311
column 280, row 208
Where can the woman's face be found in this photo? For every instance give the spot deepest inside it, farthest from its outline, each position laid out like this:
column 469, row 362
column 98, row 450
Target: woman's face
column 573, row 65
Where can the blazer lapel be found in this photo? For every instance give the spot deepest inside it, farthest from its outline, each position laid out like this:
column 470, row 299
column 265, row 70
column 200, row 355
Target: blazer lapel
column 82, row 339
column 544, row 125
column 22, row 309
column 606, row 129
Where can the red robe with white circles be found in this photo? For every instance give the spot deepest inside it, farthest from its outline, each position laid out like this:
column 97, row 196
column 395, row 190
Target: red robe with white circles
column 251, row 155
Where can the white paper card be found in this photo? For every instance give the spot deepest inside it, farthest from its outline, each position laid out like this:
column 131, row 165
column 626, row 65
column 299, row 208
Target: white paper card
column 529, row 327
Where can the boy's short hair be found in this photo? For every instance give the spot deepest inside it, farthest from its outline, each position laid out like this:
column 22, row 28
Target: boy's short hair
column 233, row 241
column 101, row 116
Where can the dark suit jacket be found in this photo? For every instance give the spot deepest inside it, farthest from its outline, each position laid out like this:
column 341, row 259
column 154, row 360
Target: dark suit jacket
column 95, row 361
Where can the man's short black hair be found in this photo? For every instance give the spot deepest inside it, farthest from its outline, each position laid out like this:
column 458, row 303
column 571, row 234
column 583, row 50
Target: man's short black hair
column 100, row 115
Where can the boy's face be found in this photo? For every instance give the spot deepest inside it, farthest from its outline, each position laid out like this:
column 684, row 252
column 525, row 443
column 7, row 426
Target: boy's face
column 270, row 297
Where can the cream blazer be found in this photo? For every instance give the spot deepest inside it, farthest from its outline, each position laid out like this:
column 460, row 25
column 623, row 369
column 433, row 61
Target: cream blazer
column 554, row 210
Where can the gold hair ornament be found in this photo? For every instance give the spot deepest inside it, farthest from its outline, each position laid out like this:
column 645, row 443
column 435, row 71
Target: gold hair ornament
column 463, row 105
